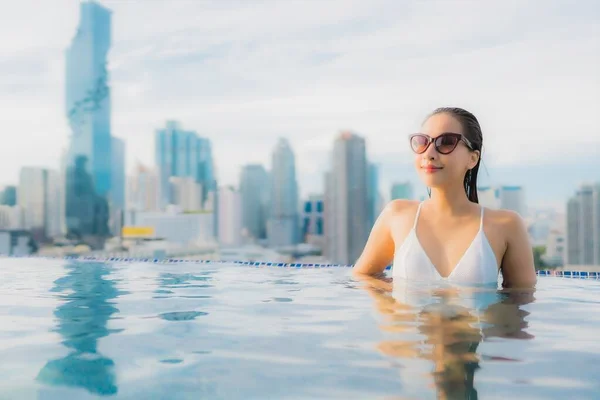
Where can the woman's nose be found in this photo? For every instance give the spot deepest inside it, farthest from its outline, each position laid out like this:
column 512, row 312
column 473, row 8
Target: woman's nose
column 431, row 153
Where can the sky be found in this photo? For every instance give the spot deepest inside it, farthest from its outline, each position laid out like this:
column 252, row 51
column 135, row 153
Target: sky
column 245, row 72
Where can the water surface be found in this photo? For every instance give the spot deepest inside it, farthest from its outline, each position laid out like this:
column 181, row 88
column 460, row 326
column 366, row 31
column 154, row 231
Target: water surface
column 72, row 329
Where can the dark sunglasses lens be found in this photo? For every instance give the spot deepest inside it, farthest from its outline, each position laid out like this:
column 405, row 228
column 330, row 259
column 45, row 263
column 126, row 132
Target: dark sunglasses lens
column 446, row 143
column 418, row 143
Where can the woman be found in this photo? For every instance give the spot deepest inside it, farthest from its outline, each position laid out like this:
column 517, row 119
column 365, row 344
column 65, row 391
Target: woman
column 449, row 237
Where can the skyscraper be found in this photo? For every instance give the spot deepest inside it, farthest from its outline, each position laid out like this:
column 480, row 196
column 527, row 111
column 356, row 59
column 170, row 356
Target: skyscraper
column 504, row 197
column 346, row 200
column 373, row 188
column 88, row 94
column 117, row 190
column 181, row 153
column 583, row 226
column 230, row 217
column 255, row 191
column 89, row 163
column 283, row 223
column 186, row 193
column 8, row 196
column 39, row 198
column 143, row 192
column 87, row 213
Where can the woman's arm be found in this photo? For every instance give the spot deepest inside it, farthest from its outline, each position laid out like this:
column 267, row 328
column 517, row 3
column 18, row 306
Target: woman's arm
column 379, row 250
column 518, row 270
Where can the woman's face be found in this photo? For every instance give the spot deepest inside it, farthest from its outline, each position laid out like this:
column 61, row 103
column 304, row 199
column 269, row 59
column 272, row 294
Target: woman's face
column 437, row 169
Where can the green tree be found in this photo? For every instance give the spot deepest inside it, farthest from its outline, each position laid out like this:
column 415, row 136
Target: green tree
column 538, row 252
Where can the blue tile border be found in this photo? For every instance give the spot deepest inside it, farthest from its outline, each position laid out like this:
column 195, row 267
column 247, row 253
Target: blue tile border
column 565, row 274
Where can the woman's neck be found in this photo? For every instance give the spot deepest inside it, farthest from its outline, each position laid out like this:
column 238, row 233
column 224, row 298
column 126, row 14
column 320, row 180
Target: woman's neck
column 452, row 201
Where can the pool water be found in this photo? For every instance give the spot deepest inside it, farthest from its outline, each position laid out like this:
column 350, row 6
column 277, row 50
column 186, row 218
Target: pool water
column 78, row 330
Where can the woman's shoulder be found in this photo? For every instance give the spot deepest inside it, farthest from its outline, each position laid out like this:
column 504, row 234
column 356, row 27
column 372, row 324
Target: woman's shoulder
column 401, row 206
column 507, row 220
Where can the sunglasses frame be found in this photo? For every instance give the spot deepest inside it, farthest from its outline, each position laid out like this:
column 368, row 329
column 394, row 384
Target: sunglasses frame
column 431, row 140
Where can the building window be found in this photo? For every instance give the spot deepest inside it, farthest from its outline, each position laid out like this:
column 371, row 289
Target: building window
column 319, row 226
column 308, row 207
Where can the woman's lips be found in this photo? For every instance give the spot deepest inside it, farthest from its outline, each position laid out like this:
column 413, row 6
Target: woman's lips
column 431, row 168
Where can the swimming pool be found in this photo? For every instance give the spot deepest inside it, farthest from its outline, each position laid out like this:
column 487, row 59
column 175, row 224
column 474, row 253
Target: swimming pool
column 85, row 329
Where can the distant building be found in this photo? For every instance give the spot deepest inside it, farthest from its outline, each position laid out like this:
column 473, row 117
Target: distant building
column 186, row 193
column 8, row 196
column 283, row 221
column 402, row 190
column 94, row 163
column 255, row 190
column 11, row 217
column 373, row 193
column 87, row 213
column 143, row 190
column 39, row 197
column 16, row 243
column 346, row 200
column 230, row 217
column 583, row 226
column 313, row 221
column 173, row 225
column 503, row 197
column 117, row 186
column 555, row 248
column 183, row 154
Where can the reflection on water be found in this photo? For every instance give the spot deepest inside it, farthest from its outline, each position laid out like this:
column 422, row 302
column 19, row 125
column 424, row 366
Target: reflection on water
column 82, row 321
column 445, row 326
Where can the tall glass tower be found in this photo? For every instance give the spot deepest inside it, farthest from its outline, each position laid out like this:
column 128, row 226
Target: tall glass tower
column 89, row 161
column 182, row 153
column 283, row 225
column 88, row 94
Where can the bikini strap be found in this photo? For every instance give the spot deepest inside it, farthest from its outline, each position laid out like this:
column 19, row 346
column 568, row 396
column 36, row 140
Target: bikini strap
column 481, row 220
column 417, row 215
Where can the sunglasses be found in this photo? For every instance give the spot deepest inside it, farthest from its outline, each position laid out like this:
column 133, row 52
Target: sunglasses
column 444, row 143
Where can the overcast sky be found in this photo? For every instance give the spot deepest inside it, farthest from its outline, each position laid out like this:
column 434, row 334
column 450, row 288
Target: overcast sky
column 245, row 72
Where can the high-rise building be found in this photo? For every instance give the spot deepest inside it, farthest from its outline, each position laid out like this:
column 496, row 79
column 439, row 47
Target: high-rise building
column 183, row 154
column 312, row 216
column 402, row 190
column 87, row 213
column 143, row 190
column 313, row 226
column 11, row 217
column 346, row 200
column 89, row 162
column 255, row 191
column 8, row 196
column 38, row 196
column 186, row 193
column 583, row 226
column 88, row 94
column 373, row 193
column 555, row 248
column 230, row 217
column 503, row 197
column 282, row 228
column 117, row 190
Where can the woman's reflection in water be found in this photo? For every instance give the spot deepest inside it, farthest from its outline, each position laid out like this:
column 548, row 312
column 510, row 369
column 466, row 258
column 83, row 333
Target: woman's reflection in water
column 445, row 326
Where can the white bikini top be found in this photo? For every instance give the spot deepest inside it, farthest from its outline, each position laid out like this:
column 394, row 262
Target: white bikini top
column 478, row 265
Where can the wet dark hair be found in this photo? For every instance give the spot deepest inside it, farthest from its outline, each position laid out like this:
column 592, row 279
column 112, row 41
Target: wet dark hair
column 472, row 131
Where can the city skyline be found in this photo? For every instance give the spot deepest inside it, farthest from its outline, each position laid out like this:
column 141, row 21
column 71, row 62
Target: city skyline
column 357, row 68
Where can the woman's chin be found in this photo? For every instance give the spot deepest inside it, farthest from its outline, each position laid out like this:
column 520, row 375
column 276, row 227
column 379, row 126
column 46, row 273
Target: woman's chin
column 431, row 180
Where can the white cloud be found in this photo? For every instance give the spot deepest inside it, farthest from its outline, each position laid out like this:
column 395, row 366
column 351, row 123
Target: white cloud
column 246, row 72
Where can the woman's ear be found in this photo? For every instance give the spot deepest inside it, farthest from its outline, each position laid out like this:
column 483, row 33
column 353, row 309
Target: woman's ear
column 475, row 154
